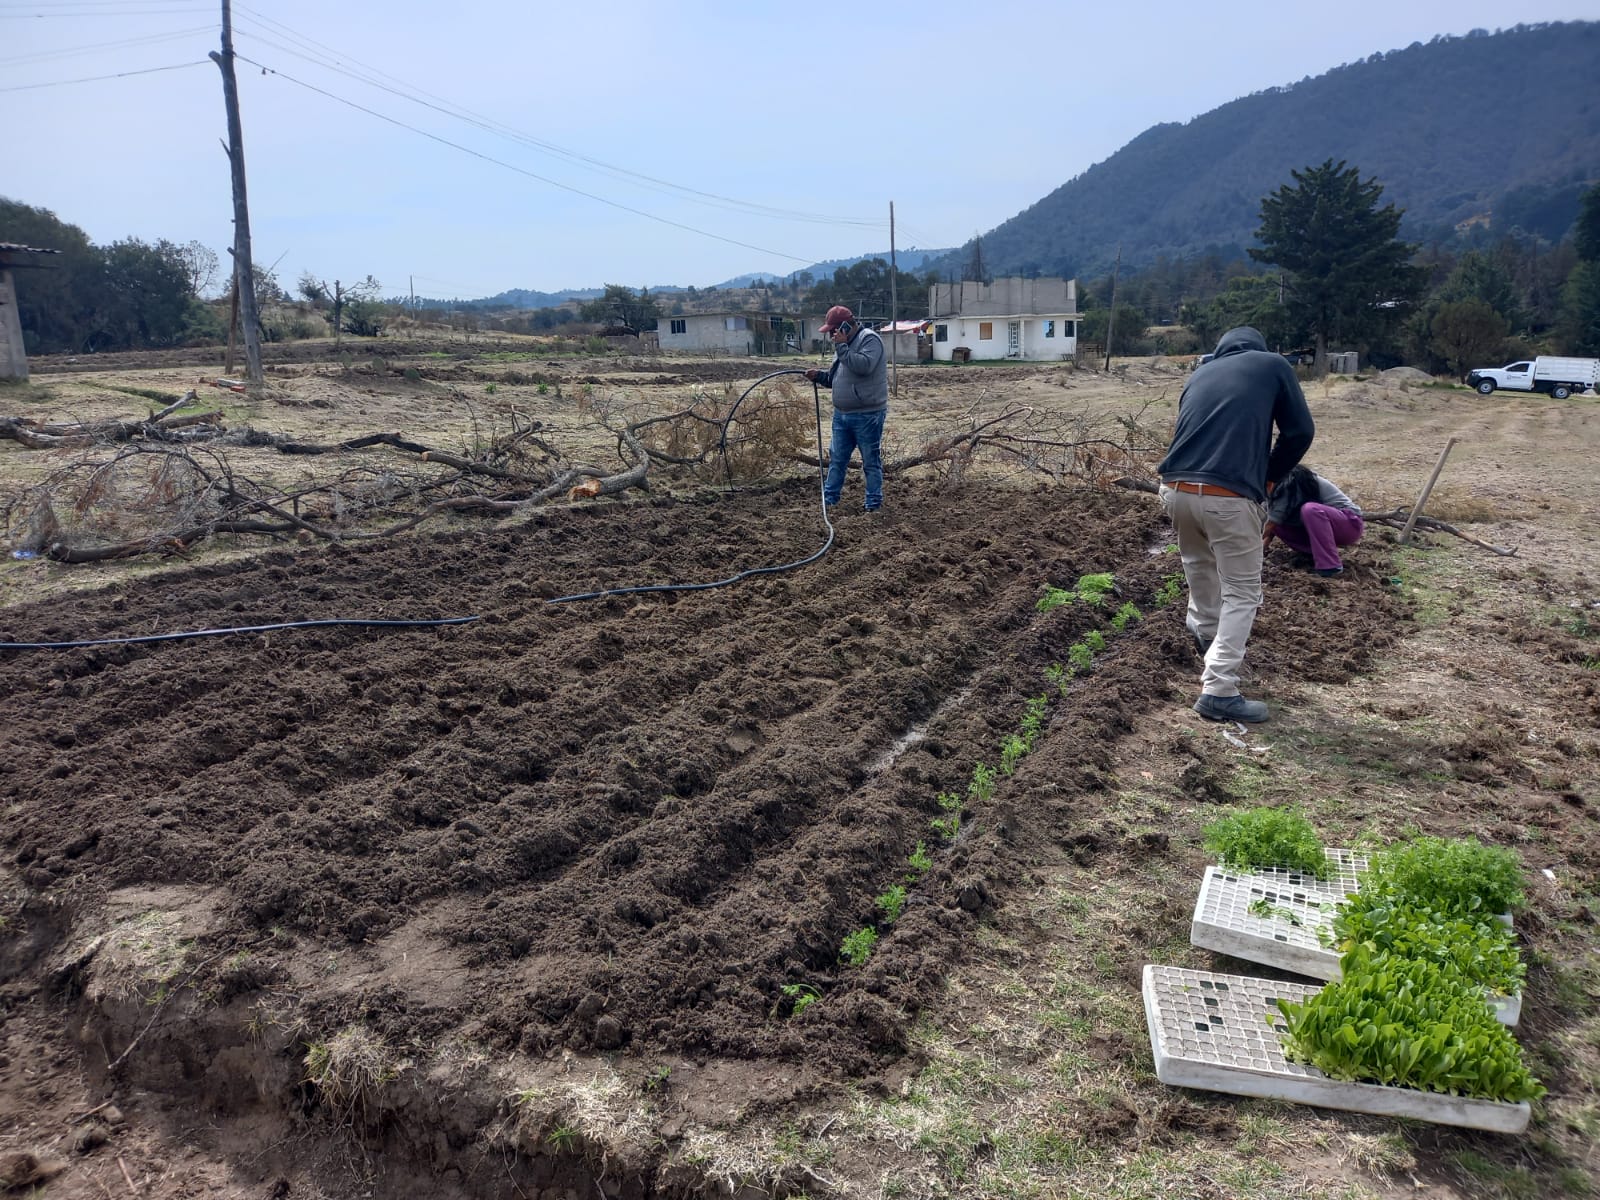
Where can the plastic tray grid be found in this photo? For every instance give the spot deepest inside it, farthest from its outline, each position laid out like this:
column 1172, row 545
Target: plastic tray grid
column 1211, row 1031
column 1223, row 920
column 1290, row 937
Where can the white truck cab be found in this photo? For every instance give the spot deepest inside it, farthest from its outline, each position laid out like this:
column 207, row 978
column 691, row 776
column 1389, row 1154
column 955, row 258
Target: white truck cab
column 1558, row 377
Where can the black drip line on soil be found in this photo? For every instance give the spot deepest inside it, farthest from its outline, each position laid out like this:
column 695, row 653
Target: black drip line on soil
column 640, row 589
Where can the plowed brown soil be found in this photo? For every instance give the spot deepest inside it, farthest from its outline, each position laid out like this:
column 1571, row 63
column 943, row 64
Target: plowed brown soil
column 625, row 835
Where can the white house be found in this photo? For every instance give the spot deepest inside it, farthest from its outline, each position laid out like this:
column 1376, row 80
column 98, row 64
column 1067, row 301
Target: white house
column 738, row 333
column 1035, row 320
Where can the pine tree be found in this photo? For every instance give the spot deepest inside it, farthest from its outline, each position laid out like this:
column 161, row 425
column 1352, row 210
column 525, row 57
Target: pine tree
column 1349, row 271
column 1580, row 299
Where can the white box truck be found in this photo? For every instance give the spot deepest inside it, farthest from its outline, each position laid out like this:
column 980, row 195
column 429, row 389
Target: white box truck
column 1558, row 377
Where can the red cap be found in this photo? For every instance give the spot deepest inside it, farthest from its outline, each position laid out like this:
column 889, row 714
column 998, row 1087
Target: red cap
column 837, row 316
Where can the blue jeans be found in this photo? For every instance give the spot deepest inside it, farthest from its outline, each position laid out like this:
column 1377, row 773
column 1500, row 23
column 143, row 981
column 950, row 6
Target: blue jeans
column 852, row 431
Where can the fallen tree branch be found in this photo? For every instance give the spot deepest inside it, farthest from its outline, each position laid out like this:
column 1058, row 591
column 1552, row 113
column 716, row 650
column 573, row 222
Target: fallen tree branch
column 171, row 543
column 1398, row 517
column 156, row 426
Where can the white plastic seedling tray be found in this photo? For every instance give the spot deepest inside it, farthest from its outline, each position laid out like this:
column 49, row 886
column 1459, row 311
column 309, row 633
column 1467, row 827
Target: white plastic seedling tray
column 1211, row 1031
column 1223, row 920
column 1288, row 937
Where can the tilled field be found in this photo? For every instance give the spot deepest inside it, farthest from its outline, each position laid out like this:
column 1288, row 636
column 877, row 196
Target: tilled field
column 636, row 828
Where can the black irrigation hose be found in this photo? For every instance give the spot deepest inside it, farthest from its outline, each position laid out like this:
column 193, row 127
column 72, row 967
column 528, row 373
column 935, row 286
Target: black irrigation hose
column 622, row 591
column 200, row 633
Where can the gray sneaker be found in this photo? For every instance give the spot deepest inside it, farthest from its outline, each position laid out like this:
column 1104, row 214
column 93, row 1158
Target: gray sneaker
column 1231, row 708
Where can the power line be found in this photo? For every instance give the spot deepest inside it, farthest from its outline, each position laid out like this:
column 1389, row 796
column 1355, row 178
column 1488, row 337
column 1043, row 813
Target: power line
column 566, row 187
column 119, row 44
column 146, row 12
column 319, row 54
column 28, row 87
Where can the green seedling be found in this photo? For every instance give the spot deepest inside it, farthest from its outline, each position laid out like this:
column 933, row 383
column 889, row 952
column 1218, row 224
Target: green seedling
column 1092, row 589
column 1482, row 951
column 1267, row 911
column 491, row 388
column 981, row 789
column 1054, row 597
column 802, row 995
column 1033, row 719
column 1127, row 613
column 949, row 824
column 1267, row 837
column 1080, row 656
column 1058, row 676
column 543, row 389
column 920, row 862
column 1012, row 751
column 1095, row 640
column 1171, row 590
column 656, row 1081
column 892, row 902
column 857, row 947
column 1406, row 1022
column 1457, row 877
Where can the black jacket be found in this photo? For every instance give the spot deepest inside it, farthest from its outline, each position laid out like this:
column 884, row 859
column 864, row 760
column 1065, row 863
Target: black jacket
column 1226, row 415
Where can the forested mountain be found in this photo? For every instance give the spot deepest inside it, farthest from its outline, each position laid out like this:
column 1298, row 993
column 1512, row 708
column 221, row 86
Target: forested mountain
column 909, row 259
column 1498, row 130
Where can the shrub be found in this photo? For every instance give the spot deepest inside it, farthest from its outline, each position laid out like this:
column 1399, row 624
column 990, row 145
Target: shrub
column 1410, row 1023
column 1267, row 837
column 1456, row 877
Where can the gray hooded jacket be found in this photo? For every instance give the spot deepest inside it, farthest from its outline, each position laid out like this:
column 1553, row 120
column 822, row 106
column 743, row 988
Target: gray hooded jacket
column 1226, row 415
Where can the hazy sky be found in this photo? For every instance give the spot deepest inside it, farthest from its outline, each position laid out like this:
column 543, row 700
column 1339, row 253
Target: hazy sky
column 963, row 114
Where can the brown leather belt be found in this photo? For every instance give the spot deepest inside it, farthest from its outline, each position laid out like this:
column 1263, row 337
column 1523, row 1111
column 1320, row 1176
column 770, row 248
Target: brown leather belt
column 1204, row 489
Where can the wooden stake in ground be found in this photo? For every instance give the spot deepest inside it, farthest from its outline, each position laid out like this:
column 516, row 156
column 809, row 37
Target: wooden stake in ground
column 1427, row 490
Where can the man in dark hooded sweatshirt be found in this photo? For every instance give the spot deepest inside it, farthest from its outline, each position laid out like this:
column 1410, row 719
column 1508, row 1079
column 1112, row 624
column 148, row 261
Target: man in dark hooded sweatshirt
column 1215, row 480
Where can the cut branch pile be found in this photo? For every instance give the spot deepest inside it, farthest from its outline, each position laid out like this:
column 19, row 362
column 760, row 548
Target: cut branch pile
column 159, row 493
column 156, row 427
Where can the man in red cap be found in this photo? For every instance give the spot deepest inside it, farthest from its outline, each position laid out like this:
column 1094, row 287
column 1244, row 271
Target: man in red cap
column 859, row 381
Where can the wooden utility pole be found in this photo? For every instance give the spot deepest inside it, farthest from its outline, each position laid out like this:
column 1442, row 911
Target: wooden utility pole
column 243, row 268
column 894, row 307
column 1111, row 316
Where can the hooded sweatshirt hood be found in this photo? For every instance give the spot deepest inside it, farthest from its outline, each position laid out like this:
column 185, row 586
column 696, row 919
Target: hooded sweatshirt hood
column 1237, row 340
column 1226, row 418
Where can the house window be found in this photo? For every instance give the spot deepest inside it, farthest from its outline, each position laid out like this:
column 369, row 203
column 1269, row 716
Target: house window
column 1069, row 329
column 680, row 326
column 941, row 333
column 736, row 323
column 986, row 331
column 1049, row 329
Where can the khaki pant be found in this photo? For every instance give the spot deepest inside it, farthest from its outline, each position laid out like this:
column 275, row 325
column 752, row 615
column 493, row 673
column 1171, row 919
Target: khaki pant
column 1219, row 538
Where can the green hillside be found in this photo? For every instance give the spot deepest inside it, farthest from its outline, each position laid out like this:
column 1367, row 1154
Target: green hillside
column 1497, row 129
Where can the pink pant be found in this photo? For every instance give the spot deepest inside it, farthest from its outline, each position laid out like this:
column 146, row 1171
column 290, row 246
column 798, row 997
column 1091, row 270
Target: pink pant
column 1321, row 531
